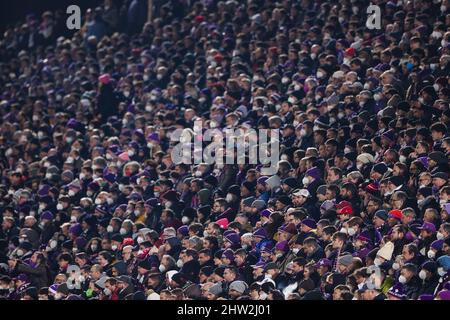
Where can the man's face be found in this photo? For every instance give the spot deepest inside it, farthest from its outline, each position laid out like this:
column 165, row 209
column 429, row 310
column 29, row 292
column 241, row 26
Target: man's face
column 233, row 293
column 371, row 207
column 257, row 272
column 110, row 286
column 126, row 254
column 297, row 268
column 239, row 259
column 202, row 258
column 210, row 229
column 309, row 249
column 336, row 243
column 332, row 177
column 216, row 207
column 228, row 275
column 329, row 195
column 377, row 222
column 279, row 205
column 369, row 294
column 406, row 254
column 396, row 235
column 95, row 274
column 6, row 224
column 164, row 217
column 298, row 200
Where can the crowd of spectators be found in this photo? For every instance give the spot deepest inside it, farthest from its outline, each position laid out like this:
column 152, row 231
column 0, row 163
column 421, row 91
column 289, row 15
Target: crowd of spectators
column 92, row 205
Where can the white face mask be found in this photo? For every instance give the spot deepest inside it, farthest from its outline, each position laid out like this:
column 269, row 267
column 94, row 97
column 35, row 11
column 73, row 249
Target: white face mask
column 59, row 206
column 53, row 244
column 296, row 250
column 98, row 201
column 422, row 274
column 441, row 271
column 140, row 240
column 110, row 228
column 162, row 268
column 305, row 181
column 351, row 231
column 19, row 252
column 180, row 263
column 114, row 247
column 402, row 279
column 229, row 198
column 42, row 206
column 320, row 74
column 94, row 247
column 107, row 291
column 303, row 133
column 395, row 266
column 262, row 296
column 71, row 193
column 440, row 236
column 185, row 220
column 377, row 261
column 123, row 231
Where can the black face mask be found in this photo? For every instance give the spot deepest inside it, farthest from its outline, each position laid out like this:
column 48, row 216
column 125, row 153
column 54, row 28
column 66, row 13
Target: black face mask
column 328, row 288
column 4, row 292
